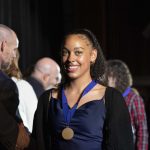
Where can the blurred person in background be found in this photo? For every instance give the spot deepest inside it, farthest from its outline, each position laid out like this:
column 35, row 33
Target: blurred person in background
column 45, row 75
column 119, row 76
column 27, row 97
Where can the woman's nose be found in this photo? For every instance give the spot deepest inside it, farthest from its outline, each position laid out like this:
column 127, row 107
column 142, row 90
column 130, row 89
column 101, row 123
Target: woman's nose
column 71, row 57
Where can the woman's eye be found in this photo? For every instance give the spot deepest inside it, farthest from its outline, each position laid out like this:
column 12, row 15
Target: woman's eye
column 78, row 53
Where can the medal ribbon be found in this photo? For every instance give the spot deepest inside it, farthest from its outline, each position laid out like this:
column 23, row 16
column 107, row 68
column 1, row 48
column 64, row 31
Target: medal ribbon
column 126, row 92
column 69, row 112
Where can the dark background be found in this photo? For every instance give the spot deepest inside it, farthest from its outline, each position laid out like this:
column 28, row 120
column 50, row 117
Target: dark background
column 121, row 26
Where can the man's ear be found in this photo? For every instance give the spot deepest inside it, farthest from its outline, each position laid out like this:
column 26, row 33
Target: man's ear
column 45, row 77
column 3, row 44
column 93, row 56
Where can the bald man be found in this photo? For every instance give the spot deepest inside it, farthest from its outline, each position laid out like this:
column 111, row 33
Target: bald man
column 11, row 133
column 46, row 75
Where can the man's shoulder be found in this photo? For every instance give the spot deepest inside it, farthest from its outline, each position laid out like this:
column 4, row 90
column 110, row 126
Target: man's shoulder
column 4, row 79
column 6, row 83
column 3, row 76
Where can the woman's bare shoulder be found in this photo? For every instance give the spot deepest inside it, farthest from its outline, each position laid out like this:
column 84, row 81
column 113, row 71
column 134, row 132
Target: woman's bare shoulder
column 100, row 90
column 100, row 87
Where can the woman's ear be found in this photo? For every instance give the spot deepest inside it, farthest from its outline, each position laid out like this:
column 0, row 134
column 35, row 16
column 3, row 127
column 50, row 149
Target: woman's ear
column 93, row 56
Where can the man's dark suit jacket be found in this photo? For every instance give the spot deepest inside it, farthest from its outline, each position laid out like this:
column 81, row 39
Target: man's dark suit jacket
column 8, row 105
column 37, row 86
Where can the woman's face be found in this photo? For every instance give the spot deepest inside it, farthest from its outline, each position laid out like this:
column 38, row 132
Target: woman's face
column 77, row 56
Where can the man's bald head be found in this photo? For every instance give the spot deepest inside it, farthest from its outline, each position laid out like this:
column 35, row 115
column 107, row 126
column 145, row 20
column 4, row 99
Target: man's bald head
column 45, row 64
column 8, row 44
column 47, row 71
column 7, row 34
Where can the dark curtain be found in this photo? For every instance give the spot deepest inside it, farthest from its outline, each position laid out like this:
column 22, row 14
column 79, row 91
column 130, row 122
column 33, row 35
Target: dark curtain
column 122, row 28
column 128, row 37
column 38, row 26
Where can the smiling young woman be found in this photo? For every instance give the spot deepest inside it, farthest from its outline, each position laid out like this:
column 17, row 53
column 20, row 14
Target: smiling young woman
column 82, row 113
column 77, row 56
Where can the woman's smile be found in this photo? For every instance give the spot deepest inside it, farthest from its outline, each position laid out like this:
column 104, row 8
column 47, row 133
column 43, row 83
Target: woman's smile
column 71, row 68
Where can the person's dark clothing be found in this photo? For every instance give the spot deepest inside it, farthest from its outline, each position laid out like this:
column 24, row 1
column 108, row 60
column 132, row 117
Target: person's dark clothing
column 87, row 124
column 117, row 131
column 37, row 86
column 8, row 105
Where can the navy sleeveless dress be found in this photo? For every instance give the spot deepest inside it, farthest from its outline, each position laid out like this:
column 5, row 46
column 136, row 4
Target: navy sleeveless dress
column 87, row 124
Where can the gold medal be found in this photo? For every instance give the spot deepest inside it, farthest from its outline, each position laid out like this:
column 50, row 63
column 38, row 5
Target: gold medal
column 67, row 133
